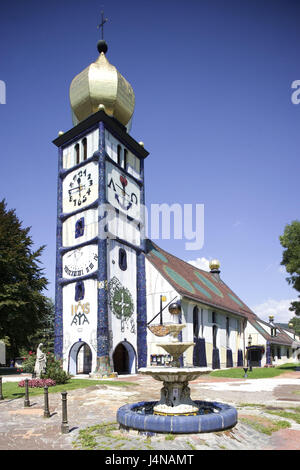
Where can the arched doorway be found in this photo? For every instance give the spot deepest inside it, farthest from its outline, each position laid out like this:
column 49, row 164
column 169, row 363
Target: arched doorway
column 124, row 358
column 80, row 359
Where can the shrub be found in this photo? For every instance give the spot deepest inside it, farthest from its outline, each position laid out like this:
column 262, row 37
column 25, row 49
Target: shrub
column 54, row 370
column 29, row 363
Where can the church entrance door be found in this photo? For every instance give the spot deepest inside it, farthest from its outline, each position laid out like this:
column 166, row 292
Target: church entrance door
column 124, row 358
column 80, row 359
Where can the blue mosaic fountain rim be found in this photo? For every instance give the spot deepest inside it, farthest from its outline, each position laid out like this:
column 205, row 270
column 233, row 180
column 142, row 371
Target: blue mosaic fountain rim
column 224, row 419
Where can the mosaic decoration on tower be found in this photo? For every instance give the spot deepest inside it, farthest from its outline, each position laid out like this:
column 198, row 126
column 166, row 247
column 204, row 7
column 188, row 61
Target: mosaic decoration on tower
column 121, row 304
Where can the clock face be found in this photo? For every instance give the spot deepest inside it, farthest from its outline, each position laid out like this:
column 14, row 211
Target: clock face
column 80, row 187
column 80, row 262
column 123, row 192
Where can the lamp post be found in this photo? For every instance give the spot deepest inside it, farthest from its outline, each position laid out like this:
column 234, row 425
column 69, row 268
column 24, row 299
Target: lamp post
column 249, row 346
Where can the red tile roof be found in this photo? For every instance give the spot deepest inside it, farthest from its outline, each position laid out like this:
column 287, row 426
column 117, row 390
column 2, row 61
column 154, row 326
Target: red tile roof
column 196, row 283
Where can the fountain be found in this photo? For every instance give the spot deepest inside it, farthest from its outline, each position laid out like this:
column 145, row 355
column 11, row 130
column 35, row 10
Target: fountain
column 175, row 412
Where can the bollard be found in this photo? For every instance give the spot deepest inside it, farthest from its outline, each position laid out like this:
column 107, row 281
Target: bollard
column 1, row 395
column 26, row 400
column 64, row 424
column 46, row 403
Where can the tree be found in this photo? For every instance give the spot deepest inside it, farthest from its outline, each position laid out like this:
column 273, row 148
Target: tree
column 23, row 305
column 296, row 324
column 290, row 240
column 45, row 333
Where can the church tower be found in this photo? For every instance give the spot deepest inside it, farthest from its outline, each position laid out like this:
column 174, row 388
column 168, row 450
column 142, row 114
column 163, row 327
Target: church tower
column 100, row 323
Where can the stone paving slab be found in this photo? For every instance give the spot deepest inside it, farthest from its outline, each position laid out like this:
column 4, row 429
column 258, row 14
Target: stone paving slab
column 26, row 428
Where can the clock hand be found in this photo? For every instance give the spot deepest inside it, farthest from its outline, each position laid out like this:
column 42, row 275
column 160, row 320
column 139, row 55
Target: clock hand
column 78, row 188
column 122, row 189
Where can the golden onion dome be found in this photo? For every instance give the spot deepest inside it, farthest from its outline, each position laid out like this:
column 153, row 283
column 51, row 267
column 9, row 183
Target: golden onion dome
column 214, row 264
column 101, row 84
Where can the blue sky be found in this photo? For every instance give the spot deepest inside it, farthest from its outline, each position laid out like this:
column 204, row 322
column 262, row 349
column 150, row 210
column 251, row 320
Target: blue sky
column 212, row 81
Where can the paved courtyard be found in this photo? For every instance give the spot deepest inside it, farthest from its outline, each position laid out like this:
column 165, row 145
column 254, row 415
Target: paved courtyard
column 256, row 400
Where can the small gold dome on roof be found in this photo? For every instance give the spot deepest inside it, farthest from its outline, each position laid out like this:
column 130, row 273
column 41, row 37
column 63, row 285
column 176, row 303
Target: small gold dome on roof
column 214, row 264
column 101, row 83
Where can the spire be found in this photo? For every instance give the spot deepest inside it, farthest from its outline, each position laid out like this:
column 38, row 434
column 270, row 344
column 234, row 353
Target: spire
column 102, row 46
column 101, row 85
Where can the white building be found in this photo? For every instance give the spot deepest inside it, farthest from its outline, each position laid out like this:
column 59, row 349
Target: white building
column 110, row 281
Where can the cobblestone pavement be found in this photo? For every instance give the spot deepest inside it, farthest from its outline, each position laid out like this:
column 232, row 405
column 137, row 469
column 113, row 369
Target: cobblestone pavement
column 26, row 428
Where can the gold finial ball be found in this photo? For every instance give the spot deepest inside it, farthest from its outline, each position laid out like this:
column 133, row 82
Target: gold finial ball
column 60, row 133
column 214, row 264
column 291, row 325
column 101, row 107
column 141, row 144
column 271, row 317
column 175, row 308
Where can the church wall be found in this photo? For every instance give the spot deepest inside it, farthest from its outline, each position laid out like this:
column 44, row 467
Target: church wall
column 122, row 295
column 69, row 152
column 90, row 224
column 157, row 285
column 111, row 148
column 80, row 319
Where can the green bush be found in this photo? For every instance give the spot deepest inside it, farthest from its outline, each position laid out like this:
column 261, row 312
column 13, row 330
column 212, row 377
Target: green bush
column 28, row 364
column 55, row 371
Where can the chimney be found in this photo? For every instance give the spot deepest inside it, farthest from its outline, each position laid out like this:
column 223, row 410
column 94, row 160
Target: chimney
column 214, row 265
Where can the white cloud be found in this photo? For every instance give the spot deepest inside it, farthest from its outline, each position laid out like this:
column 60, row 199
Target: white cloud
column 278, row 308
column 282, row 270
column 237, row 223
column 201, row 263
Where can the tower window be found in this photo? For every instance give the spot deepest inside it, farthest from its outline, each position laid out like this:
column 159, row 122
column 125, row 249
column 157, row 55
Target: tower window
column 122, row 259
column 79, row 228
column 79, row 291
column 77, row 154
column 125, row 159
column 84, row 148
column 119, row 154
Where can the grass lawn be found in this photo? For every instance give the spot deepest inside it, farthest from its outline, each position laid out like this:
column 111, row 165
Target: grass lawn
column 11, row 390
column 257, row 372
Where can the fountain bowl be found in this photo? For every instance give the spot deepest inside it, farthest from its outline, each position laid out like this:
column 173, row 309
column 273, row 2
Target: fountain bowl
column 174, row 374
column 172, row 329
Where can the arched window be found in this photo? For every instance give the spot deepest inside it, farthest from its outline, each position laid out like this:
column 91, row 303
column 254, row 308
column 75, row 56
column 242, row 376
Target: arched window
column 119, row 150
column 125, row 159
column 196, row 322
column 79, row 291
column 79, row 227
column 122, row 259
column 214, row 329
column 227, row 331
column 84, row 148
column 77, row 154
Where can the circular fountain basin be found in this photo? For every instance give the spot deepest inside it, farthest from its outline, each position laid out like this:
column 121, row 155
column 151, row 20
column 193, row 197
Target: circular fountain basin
column 212, row 416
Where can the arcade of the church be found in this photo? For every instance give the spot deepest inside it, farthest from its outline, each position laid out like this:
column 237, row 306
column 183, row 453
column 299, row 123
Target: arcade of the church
column 110, row 281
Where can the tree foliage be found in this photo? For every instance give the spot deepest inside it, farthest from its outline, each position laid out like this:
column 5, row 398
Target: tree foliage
column 23, row 305
column 296, row 324
column 290, row 240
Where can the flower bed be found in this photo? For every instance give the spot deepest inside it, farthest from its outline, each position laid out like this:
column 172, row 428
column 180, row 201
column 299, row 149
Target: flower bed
column 38, row 383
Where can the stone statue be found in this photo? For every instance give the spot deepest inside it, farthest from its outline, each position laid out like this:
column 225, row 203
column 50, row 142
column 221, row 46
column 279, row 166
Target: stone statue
column 40, row 363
